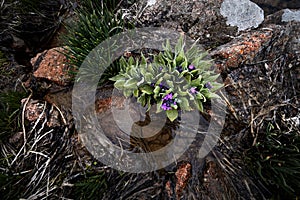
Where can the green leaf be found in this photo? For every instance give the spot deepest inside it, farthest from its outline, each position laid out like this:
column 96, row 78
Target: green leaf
column 212, row 95
column 147, row 89
column 127, row 93
column 204, row 65
column 167, row 76
column 117, row 77
column 201, row 97
column 172, row 114
column 136, row 92
column 158, row 106
column 142, row 100
column 130, row 84
column 143, row 60
column 216, row 86
column 184, row 104
column 179, row 46
column 170, row 83
column 119, row 84
column 210, row 78
column 199, row 105
column 149, row 77
column 131, row 61
column 148, row 102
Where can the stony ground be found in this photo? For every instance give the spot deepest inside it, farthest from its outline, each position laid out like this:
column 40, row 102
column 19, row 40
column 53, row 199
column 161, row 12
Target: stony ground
column 260, row 69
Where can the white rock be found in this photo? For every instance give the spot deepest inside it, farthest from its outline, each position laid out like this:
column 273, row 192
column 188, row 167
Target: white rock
column 242, row 13
column 151, row 2
column 290, row 15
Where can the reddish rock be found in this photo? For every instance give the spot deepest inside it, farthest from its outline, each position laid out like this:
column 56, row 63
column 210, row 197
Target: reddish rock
column 103, row 105
column 51, row 65
column 242, row 49
column 183, row 175
column 34, row 109
column 169, row 189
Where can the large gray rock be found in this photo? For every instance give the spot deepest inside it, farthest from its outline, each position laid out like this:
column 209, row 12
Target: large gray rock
column 199, row 19
column 242, row 13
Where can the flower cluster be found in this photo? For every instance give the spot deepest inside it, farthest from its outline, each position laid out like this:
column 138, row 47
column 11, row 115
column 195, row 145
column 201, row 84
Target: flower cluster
column 168, row 102
column 175, row 79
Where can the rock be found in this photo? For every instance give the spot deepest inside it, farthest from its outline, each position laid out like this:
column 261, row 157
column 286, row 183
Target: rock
column 242, row 49
column 52, row 65
column 250, row 64
column 34, row 110
column 183, row 175
column 17, row 43
column 290, row 15
column 272, row 6
column 242, row 13
column 199, row 19
column 37, row 112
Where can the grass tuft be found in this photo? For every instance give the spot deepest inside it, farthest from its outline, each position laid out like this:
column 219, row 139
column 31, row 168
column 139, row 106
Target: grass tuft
column 96, row 22
column 10, row 112
column 276, row 158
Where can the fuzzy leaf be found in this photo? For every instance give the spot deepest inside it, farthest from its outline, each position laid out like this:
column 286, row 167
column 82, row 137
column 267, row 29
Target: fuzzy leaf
column 142, row 100
column 149, row 77
column 143, row 60
column 117, row 77
column 148, row 103
column 199, row 105
column 200, row 96
column 210, row 78
column 170, row 83
column 212, row 95
column 179, row 46
column 172, row 114
column 147, row 89
column 136, row 93
column 131, row 61
column 216, row 86
column 156, row 90
column 130, row 84
column 184, row 104
column 119, row 84
column 204, row 65
column 127, row 93
column 158, row 106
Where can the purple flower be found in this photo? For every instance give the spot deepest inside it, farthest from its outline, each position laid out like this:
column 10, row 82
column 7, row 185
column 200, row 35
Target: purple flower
column 192, row 67
column 168, row 96
column 163, row 86
column 166, row 106
column 168, row 101
column 179, row 68
column 152, row 84
column 193, row 90
column 208, row 85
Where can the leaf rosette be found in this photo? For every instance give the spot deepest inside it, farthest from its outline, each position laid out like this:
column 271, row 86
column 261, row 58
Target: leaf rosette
column 174, row 80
